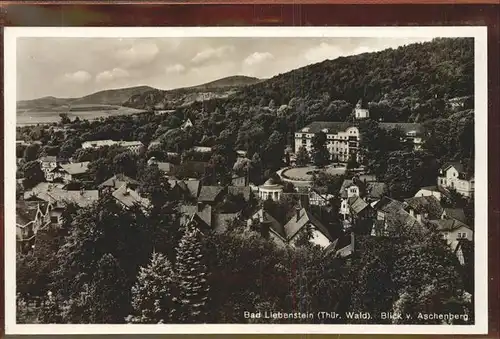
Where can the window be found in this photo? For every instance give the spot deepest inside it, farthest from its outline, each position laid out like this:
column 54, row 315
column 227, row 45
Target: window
column 53, row 219
column 462, row 235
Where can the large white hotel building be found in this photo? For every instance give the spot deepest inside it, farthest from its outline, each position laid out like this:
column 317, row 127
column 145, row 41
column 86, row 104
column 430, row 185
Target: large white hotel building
column 343, row 137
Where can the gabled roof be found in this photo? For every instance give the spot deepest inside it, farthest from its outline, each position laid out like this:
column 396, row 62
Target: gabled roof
column 293, row 226
column 398, row 220
column 202, row 212
column 274, row 225
column 448, row 224
column 129, row 197
column 388, row 205
column 434, row 189
column 425, row 205
column 55, row 194
column 455, row 213
column 76, row 167
column 345, row 185
column 462, row 173
column 333, row 127
column 210, row 193
column 357, row 204
column 118, row 180
column 193, row 187
column 246, row 192
column 26, row 211
column 346, row 240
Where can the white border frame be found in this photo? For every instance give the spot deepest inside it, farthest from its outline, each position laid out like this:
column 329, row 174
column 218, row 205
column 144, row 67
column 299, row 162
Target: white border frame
column 479, row 33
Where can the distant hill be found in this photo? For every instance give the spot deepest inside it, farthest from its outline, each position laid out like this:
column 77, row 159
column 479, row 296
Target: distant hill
column 170, row 99
column 112, row 97
column 232, row 81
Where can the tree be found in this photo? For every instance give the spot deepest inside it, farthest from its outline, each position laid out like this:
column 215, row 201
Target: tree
column 31, row 152
column 320, row 154
column 352, row 163
column 191, row 278
column 125, row 163
column 33, row 174
column 50, row 312
column 152, row 293
column 64, row 118
column 302, row 157
column 408, row 171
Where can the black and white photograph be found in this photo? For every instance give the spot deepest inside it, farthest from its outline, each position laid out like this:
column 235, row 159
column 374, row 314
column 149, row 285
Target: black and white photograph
column 248, row 179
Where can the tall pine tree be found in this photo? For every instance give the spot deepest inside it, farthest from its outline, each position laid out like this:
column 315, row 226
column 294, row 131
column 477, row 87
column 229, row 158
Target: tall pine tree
column 152, row 294
column 191, row 276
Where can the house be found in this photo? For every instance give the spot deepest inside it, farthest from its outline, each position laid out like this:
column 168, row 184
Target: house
column 451, row 229
column 361, row 215
column 72, row 171
column 31, row 216
column 270, row 190
column 49, row 163
column 134, row 147
column 268, row 226
column 117, row 181
column 319, row 196
column 453, row 176
column 303, row 221
column 186, row 124
column 342, row 138
column 349, row 189
column 200, row 213
column 98, row 143
column 211, row 194
column 454, row 213
column 361, row 113
column 436, row 191
column 166, row 167
column 128, row 197
column 205, row 217
column 424, row 208
column 56, row 195
column 393, row 220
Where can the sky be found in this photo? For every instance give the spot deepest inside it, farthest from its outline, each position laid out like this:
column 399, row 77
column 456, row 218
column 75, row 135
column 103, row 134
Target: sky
column 74, row 67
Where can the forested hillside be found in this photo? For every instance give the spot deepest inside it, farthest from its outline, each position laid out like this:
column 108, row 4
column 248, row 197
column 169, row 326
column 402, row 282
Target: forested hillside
column 410, row 83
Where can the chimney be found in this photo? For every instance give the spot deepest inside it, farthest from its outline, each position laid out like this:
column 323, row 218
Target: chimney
column 352, row 241
column 265, row 225
column 297, row 214
column 199, row 206
column 82, row 191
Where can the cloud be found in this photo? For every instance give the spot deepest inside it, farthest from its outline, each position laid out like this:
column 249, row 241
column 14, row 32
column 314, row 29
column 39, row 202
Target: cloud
column 79, row 77
column 211, row 53
column 257, row 58
column 114, row 74
column 177, row 68
column 140, row 54
column 322, row 52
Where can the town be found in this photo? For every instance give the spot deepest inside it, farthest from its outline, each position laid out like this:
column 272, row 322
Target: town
column 345, row 208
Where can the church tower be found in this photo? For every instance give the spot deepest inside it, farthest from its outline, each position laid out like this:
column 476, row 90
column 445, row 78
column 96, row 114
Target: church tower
column 359, row 112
